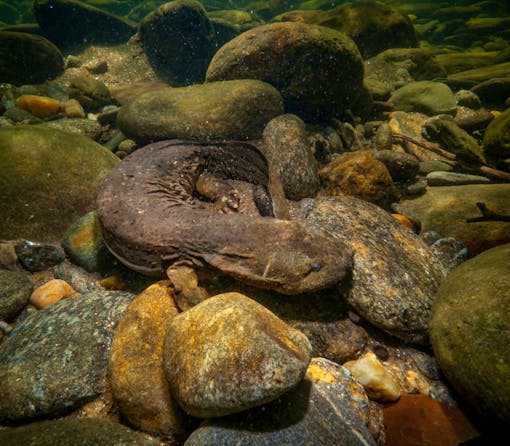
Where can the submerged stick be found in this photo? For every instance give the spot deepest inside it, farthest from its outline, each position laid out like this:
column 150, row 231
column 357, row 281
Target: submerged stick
column 452, row 156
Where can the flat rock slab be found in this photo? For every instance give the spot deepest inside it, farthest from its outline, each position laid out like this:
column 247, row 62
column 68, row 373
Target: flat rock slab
column 445, row 210
column 395, row 275
column 56, row 359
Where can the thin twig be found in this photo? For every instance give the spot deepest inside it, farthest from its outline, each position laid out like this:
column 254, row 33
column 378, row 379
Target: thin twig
column 451, row 156
column 487, row 215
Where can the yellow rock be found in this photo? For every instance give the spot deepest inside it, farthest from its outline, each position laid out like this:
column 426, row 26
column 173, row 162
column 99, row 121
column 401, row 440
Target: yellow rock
column 51, row 292
column 40, row 106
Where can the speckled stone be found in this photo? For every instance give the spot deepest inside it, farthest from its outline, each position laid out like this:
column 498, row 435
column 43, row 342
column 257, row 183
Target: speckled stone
column 287, row 148
column 395, row 275
column 55, row 360
column 36, row 257
column 327, row 408
column 229, row 353
column 135, row 368
column 15, row 290
column 75, row 432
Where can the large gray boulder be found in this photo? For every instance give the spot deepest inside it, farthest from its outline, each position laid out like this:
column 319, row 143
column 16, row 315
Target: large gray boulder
column 319, row 71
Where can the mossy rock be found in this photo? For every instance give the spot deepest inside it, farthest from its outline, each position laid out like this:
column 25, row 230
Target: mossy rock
column 470, row 333
column 238, row 109
column 48, row 178
column 27, row 58
column 318, row 71
column 496, row 140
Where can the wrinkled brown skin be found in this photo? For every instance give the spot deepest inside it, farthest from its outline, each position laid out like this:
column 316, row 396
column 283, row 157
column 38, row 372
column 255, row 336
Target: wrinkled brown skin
column 152, row 218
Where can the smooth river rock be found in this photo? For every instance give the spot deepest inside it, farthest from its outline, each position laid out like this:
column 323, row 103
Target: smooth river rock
column 135, row 369
column 229, row 353
column 237, row 109
column 48, row 178
column 319, row 71
column 470, row 334
column 329, row 407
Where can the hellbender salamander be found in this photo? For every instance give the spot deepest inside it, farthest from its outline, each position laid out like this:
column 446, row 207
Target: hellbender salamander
column 152, row 217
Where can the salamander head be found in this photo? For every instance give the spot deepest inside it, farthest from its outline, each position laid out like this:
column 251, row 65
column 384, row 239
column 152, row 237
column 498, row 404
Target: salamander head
column 289, row 258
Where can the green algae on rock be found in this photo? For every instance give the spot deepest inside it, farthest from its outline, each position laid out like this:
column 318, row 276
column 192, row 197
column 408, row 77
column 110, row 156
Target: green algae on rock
column 319, row 71
column 470, row 333
column 237, row 109
column 48, row 178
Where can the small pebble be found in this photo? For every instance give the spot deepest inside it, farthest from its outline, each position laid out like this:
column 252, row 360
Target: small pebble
column 51, row 292
column 73, row 109
column 372, row 375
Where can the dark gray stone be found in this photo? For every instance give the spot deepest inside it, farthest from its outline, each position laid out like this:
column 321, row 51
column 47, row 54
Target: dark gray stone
column 56, row 359
column 75, row 432
column 310, row 414
column 15, row 290
column 69, row 23
column 179, row 40
column 26, row 58
column 35, row 257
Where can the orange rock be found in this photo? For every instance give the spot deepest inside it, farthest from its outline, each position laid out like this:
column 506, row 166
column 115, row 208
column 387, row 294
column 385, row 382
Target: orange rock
column 51, row 292
column 419, row 420
column 404, row 220
column 40, row 106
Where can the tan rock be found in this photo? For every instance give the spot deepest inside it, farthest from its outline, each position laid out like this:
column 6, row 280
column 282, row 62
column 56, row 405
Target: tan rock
column 359, row 174
column 229, row 353
column 135, row 367
column 51, row 292
column 377, row 381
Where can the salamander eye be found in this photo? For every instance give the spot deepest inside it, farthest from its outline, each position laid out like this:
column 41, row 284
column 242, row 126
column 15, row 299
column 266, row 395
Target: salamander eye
column 316, row 266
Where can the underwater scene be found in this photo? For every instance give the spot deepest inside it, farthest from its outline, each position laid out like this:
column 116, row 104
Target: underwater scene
column 256, row 223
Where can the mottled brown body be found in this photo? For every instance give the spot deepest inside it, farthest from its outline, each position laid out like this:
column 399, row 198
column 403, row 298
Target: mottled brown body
column 153, row 218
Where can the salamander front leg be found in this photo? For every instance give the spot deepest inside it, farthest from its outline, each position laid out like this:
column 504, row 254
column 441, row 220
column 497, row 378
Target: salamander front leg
column 226, row 199
column 185, row 282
